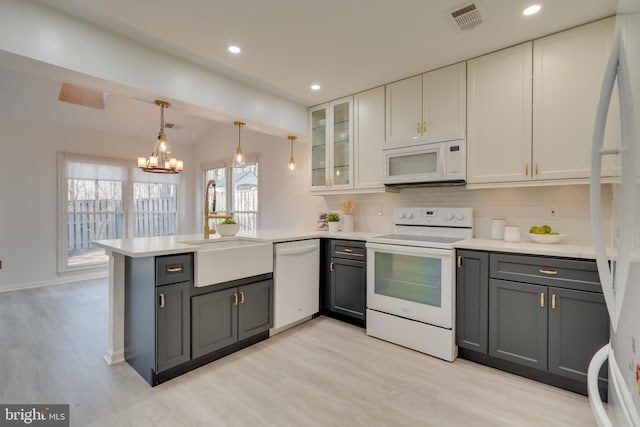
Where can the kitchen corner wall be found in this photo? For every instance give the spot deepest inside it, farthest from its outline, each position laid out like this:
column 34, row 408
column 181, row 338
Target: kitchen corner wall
column 520, row 206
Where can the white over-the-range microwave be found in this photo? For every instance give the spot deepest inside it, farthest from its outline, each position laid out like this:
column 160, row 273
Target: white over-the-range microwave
column 425, row 160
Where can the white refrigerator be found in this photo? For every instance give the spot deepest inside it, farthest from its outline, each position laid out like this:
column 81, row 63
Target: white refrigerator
column 619, row 266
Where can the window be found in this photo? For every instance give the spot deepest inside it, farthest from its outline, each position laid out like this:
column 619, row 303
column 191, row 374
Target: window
column 240, row 192
column 95, row 195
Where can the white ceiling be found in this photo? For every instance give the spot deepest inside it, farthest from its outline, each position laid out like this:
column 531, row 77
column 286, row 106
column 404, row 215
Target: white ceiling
column 344, row 45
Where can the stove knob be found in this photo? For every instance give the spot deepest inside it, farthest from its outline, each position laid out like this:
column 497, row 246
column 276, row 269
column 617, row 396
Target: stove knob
column 449, row 217
column 402, row 215
column 409, row 216
column 459, row 217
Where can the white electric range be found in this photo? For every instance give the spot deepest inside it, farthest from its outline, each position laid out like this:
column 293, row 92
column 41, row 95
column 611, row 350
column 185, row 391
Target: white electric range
column 411, row 279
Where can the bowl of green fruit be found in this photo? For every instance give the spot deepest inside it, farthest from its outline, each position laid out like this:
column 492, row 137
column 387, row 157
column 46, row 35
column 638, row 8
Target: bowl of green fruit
column 228, row 227
column 544, row 234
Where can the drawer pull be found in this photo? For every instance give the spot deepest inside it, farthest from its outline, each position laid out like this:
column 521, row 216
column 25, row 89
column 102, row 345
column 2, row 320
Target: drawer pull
column 241, row 297
column 174, row 269
column 348, row 250
column 549, row 272
column 235, row 298
column 542, row 299
column 459, row 261
column 331, row 267
column 348, row 253
column 161, row 300
column 553, row 301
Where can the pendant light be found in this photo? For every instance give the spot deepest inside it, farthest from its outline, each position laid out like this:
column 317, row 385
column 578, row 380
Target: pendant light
column 292, row 169
column 239, row 159
column 160, row 160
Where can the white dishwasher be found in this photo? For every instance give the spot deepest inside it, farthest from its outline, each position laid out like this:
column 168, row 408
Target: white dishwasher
column 296, row 281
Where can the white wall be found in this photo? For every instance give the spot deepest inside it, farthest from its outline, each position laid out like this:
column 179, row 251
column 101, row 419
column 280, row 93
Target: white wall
column 284, row 200
column 521, row 206
column 28, row 194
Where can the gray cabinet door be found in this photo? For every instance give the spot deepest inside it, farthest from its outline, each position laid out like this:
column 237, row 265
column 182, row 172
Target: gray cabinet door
column 349, row 287
column 472, row 300
column 173, row 333
column 215, row 321
column 578, row 327
column 518, row 323
column 255, row 310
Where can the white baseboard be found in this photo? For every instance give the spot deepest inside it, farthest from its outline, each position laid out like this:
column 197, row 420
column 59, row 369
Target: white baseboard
column 112, row 358
column 62, row 280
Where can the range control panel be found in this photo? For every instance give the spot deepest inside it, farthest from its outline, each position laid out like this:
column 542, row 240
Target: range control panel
column 435, row 217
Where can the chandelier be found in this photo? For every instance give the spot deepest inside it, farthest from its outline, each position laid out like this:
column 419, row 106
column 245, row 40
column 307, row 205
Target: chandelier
column 160, row 160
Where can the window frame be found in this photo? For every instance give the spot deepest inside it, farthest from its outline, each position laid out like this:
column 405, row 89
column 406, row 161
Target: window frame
column 128, row 204
column 227, row 164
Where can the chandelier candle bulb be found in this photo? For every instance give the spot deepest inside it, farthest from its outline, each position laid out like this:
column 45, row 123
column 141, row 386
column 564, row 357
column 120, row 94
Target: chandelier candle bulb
column 173, row 162
column 142, row 162
column 179, row 165
column 153, row 161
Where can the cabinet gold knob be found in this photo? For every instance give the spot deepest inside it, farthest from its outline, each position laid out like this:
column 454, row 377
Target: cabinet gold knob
column 526, row 169
column 553, row 301
column 161, row 300
column 418, row 127
column 235, row 298
column 459, row 261
column 241, row 297
column 424, row 127
column 542, row 299
column 331, row 267
column 536, row 168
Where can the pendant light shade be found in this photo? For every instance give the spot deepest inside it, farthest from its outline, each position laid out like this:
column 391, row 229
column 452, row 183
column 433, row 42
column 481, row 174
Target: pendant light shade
column 292, row 169
column 160, row 160
column 239, row 160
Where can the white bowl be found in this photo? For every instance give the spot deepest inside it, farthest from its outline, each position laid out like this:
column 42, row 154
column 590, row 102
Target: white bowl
column 227, row 229
column 546, row 238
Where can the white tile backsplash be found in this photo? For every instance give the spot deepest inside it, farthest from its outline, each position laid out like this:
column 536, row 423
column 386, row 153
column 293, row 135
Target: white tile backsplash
column 520, row 206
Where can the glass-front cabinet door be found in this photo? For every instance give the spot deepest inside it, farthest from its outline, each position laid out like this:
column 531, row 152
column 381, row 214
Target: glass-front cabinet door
column 332, row 145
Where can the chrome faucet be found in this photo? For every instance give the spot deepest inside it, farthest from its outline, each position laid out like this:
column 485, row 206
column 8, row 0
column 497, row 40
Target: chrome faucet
column 210, row 211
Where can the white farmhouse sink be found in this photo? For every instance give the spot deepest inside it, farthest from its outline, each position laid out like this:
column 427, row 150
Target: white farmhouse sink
column 224, row 260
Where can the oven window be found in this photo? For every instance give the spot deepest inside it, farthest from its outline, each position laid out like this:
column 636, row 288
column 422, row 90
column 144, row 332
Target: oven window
column 411, row 278
column 413, row 164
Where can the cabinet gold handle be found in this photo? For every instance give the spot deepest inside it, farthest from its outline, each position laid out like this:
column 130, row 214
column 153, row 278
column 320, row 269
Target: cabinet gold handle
column 241, row 297
column 424, row 127
column 536, row 168
column 542, row 299
column 348, row 250
column 526, row 169
column 459, row 261
column 174, row 269
column 331, row 267
column 549, row 272
column 553, row 301
column 418, row 127
column 161, row 300
column 235, row 298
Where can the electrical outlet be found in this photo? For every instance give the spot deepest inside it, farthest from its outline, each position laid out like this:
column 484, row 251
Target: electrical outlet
column 552, row 213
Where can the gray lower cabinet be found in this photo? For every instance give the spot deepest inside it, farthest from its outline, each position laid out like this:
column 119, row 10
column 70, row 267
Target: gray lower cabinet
column 157, row 315
column 518, row 323
column 472, row 300
column 222, row 318
column 348, row 287
column 578, row 327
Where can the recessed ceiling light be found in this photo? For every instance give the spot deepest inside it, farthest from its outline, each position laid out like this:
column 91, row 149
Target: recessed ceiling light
column 531, row 10
column 315, row 87
column 234, row 49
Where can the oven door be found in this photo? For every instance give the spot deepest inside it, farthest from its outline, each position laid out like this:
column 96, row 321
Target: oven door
column 412, row 282
column 420, row 163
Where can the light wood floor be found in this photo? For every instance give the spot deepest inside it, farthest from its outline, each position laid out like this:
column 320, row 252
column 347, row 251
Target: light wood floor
column 321, row 373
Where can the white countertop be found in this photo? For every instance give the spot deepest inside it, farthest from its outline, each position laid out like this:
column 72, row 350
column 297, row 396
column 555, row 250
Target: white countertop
column 152, row 246
column 532, row 248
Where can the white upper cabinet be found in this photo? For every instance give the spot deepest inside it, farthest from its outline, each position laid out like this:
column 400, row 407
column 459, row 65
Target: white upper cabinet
column 433, row 103
column 332, row 145
column 499, row 116
column 568, row 68
column 444, row 99
column 404, row 109
column 369, row 112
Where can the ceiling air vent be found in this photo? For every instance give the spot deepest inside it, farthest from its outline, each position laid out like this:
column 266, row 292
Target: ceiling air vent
column 467, row 16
